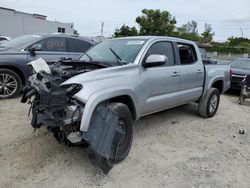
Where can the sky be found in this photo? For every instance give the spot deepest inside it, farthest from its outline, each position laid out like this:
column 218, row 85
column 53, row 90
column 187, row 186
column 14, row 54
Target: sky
column 227, row 17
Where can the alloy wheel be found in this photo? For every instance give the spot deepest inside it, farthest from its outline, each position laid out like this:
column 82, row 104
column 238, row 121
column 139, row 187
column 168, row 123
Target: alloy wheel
column 213, row 103
column 8, row 85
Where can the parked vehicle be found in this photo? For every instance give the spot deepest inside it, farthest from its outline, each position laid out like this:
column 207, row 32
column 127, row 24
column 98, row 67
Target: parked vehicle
column 16, row 53
column 240, row 68
column 245, row 89
column 96, row 99
column 205, row 58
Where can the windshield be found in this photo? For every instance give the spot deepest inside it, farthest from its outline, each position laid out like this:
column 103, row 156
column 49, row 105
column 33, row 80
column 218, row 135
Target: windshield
column 241, row 64
column 20, row 41
column 114, row 51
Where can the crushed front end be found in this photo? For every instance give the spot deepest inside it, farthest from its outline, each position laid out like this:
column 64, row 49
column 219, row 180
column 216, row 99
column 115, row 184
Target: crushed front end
column 53, row 106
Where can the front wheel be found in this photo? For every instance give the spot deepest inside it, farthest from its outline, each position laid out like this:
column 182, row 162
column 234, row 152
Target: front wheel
column 10, row 84
column 125, row 123
column 208, row 106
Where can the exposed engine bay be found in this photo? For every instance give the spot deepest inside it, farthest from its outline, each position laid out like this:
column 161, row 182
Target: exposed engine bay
column 53, row 107
column 53, row 104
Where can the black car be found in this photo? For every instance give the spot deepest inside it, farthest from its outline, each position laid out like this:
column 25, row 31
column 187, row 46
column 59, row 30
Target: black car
column 240, row 68
column 16, row 53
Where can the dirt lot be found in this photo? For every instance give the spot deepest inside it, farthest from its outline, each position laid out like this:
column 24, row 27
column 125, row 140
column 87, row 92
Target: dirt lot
column 175, row 148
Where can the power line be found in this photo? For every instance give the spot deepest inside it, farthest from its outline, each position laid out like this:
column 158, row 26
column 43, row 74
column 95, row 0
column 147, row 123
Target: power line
column 221, row 20
column 230, row 25
column 237, row 27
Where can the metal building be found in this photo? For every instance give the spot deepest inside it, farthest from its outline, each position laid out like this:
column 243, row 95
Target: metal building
column 15, row 23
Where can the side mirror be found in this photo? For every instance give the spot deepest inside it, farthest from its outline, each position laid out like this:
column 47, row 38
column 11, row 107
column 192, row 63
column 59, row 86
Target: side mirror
column 155, row 60
column 34, row 48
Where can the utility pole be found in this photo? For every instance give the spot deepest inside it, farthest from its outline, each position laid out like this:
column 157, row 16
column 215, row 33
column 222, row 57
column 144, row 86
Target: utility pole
column 102, row 26
column 242, row 33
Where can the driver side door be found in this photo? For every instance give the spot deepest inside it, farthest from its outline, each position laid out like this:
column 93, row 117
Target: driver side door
column 160, row 83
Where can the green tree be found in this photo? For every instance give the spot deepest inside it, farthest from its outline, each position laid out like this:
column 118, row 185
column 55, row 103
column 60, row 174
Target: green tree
column 190, row 27
column 188, row 31
column 190, row 36
column 125, row 31
column 156, row 22
column 237, row 41
column 207, row 34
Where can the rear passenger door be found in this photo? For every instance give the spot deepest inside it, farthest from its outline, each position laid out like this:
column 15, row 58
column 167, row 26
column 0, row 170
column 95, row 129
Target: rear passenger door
column 53, row 48
column 191, row 73
column 77, row 47
column 160, row 83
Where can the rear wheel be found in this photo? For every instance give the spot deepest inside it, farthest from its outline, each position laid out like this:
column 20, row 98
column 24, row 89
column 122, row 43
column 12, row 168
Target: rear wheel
column 208, row 106
column 125, row 122
column 10, row 84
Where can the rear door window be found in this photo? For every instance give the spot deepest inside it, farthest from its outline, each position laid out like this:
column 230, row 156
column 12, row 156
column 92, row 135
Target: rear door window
column 79, row 46
column 53, row 44
column 187, row 54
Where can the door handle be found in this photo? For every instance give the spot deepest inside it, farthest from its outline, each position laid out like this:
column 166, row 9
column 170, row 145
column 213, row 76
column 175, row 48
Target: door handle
column 199, row 71
column 175, row 74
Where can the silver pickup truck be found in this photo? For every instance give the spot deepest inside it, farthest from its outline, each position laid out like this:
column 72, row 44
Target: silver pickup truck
column 95, row 100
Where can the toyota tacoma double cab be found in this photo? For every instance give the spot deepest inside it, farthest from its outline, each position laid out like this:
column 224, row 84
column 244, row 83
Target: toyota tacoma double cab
column 96, row 99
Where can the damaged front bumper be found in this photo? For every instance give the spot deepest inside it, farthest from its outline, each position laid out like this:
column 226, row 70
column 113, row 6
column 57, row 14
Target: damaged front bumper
column 53, row 106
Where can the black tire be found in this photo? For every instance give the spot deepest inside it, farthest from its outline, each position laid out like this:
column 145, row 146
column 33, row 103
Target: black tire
column 207, row 106
column 124, row 116
column 14, row 78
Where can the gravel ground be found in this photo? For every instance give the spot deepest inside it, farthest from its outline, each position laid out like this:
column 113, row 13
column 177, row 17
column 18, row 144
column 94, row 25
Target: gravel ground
column 174, row 148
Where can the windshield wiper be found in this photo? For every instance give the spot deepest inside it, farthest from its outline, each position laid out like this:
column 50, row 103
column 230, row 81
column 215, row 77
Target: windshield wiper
column 90, row 58
column 118, row 58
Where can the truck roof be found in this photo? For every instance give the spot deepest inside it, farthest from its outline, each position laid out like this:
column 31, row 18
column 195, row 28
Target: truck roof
column 174, row 39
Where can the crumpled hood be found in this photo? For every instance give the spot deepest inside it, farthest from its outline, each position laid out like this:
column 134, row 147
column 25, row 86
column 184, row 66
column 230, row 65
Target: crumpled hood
column 103, row 79
column 110, row 73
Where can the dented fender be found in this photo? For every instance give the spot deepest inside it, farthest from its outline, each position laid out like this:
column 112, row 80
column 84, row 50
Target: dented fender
column 100, row 96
